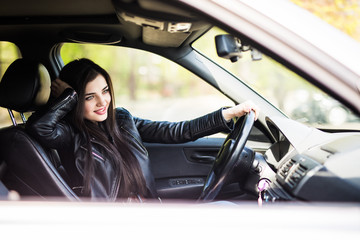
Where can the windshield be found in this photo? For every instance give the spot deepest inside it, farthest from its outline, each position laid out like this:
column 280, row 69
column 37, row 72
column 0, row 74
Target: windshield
column 286, row 90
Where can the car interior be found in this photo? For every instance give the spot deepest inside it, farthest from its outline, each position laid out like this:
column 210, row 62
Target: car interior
column 292, row 166
column 39, row 30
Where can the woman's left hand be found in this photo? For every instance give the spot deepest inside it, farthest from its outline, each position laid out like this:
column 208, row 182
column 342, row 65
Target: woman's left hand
column 58, row 87
column 240, row 110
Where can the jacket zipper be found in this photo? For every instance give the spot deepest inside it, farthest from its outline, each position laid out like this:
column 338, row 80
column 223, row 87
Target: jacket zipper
column 64, row 101
column 97, row 155
column 115, row 189
column 94, row 154
column 142, row 146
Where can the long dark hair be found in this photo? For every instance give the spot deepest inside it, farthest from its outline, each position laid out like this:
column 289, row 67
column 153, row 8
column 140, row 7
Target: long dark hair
column 77, row 74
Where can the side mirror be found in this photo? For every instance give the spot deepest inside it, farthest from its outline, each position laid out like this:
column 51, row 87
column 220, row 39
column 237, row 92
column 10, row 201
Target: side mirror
column 230, row 47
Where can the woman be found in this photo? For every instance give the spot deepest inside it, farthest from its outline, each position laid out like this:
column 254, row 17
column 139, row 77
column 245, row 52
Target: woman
column 100, row 145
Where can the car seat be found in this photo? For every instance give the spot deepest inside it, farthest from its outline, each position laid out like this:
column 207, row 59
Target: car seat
column 27, row 167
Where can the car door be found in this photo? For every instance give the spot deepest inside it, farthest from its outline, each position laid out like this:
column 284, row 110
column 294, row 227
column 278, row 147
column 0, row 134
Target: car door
column 180, row 170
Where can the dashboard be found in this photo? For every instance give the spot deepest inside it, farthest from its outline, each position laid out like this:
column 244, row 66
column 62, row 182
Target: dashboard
column 313, row 165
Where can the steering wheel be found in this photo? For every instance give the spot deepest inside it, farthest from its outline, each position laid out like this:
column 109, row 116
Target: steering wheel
column 228, row 157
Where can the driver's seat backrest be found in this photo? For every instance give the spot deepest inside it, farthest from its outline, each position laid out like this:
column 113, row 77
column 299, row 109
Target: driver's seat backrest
column 31, row 169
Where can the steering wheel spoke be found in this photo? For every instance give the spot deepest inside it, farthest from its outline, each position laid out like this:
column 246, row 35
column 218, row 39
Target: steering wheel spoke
column 227, row 158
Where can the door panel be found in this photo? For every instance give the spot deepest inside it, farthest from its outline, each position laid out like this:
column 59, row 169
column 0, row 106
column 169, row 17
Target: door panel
column 181, row 169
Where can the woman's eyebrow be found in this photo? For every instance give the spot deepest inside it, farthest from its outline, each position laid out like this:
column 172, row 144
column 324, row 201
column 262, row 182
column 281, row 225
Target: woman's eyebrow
column 86, row 94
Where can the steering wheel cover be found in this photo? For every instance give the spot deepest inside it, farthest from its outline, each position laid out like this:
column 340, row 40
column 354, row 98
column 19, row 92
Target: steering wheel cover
column 227, row 158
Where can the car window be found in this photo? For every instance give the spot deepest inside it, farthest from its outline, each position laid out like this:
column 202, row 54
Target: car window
column 286, row 90
column 8, row 53
column 148, row 85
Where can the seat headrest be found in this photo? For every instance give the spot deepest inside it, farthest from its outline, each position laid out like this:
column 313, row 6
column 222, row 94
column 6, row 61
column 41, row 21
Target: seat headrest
column 25, row 86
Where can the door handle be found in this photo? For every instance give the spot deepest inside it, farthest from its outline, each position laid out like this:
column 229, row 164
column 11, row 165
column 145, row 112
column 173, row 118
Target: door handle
column 199, row 158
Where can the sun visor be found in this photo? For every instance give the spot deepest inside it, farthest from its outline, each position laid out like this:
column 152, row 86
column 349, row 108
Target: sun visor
column 100, row 36
column 160, row 38
column 161, row 24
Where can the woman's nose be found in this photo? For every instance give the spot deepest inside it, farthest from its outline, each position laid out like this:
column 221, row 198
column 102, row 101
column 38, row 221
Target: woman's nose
column 100, row 101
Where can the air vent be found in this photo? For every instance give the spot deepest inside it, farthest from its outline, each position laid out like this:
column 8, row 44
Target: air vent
column 297, row 173
column 293, row 171
column 285, row 169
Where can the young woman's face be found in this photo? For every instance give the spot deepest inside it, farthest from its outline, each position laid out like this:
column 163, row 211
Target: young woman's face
column 97, row 100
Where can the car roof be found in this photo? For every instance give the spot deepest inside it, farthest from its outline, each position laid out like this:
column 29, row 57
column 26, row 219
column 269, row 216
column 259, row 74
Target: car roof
column 103, row 21
column 55, row 8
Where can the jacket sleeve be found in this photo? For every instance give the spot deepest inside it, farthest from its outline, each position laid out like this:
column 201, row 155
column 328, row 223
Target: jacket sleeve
column 184, row 131
column 48, row 127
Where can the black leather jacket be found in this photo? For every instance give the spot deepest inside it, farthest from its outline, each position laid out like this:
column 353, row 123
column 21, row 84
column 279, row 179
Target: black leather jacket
column 52, row 130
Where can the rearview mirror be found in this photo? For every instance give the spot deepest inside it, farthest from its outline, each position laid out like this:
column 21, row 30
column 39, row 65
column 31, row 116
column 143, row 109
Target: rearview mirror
column 230, row 47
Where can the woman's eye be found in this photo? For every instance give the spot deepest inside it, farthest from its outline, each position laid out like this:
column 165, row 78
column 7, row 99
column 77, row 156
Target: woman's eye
column 106, row 90
column 89, row 98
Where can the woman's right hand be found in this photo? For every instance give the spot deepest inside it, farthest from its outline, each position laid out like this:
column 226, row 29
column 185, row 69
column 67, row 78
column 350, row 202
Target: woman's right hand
column 58, row 87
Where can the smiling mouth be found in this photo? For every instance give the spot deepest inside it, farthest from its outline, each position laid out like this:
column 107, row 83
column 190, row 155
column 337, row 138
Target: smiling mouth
column 101, row 111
